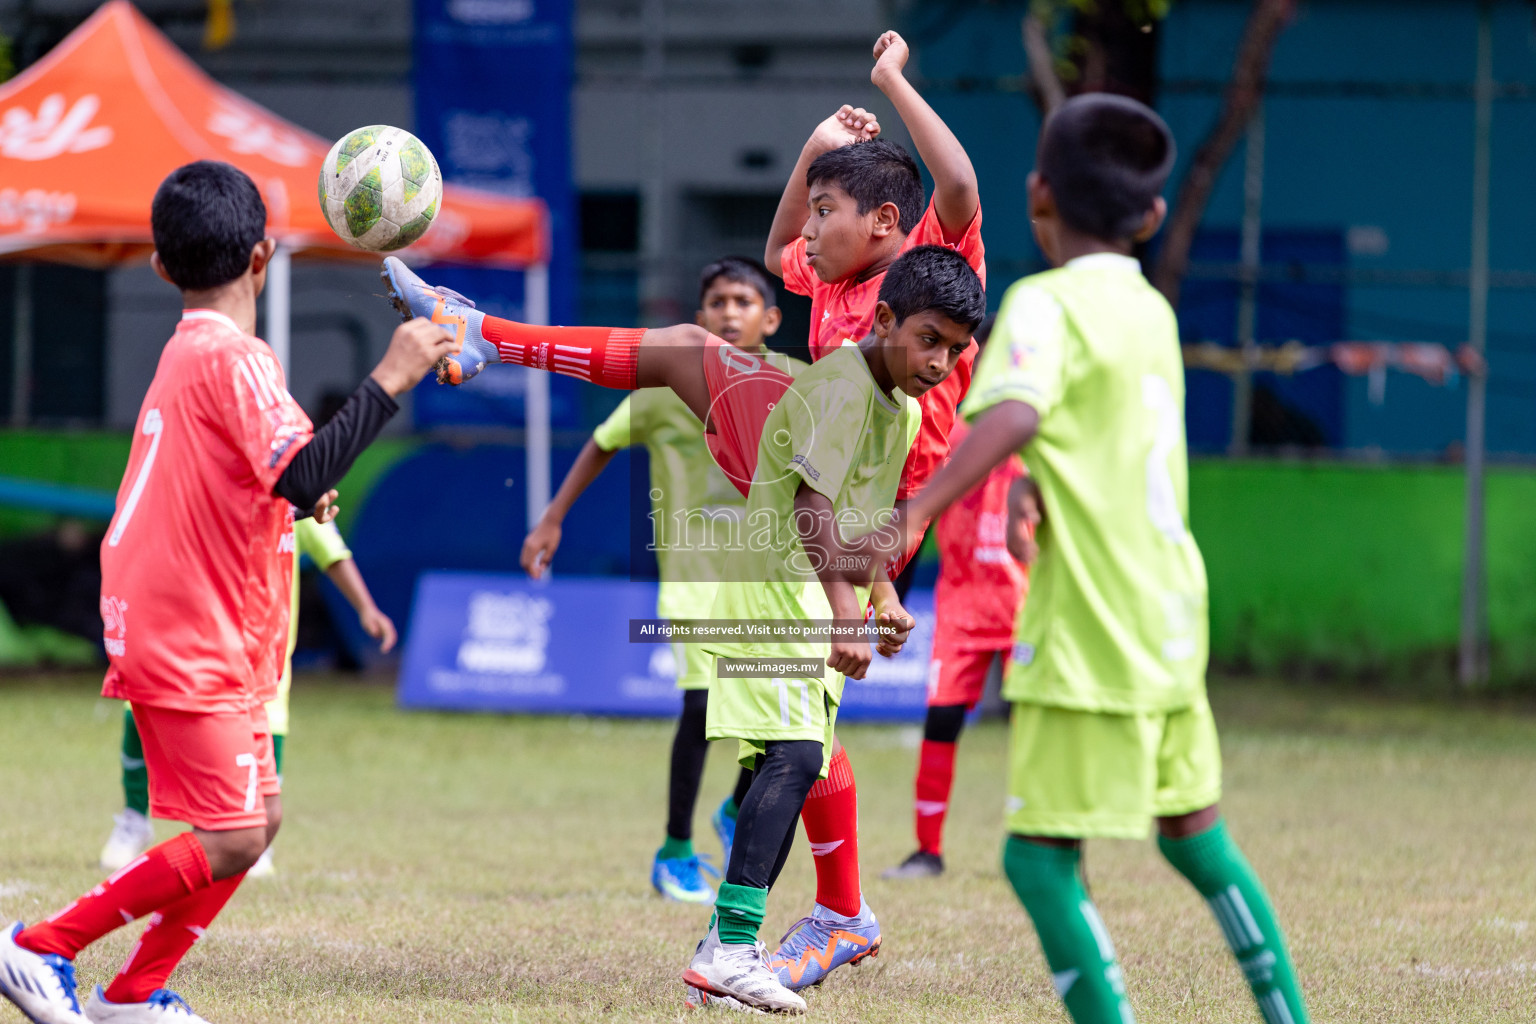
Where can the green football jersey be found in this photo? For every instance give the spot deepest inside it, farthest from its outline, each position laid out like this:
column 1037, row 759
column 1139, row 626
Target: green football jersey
column 1116, row 618
column 836, row 432
column 694, row 506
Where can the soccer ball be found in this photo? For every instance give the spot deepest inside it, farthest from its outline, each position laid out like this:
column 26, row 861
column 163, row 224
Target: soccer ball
column 380, row 188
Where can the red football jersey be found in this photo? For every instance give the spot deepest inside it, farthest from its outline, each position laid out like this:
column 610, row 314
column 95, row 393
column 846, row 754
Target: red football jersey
column 844, row 311
column 197, row 567
column 980, row 587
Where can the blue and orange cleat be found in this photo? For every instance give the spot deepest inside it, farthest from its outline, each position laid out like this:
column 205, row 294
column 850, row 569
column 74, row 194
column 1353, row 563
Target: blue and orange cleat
column 413, row 297
column 818, row 945
column 682, row 878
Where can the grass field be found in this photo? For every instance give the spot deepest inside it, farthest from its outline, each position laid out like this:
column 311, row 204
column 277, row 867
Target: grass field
column 462, row 868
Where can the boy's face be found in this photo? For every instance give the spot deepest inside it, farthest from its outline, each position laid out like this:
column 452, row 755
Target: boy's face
column 921, row 350
column 734, row 310
column 840, row 242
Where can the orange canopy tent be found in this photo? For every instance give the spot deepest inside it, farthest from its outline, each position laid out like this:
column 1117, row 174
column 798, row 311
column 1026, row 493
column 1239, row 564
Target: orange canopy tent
column 89, row 131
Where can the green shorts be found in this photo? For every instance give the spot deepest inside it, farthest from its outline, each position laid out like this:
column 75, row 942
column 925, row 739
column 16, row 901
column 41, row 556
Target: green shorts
column 759, row 711
column 1093, row 775
column 694, row 666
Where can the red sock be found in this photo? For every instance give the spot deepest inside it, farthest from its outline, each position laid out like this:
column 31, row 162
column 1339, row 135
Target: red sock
column 935, row 776
column 161, row 875
column 831, row 817
column 607, row 356
column 171, row 932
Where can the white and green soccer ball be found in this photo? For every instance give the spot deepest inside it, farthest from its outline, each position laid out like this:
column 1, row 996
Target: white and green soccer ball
column 380, row 188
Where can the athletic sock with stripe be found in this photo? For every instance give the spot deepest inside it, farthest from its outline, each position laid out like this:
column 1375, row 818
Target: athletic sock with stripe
column 1217, row 868
column 1073, row 938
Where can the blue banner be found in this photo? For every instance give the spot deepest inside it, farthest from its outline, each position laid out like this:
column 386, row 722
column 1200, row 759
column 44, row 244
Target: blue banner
column 500, row 642
column 493, row 102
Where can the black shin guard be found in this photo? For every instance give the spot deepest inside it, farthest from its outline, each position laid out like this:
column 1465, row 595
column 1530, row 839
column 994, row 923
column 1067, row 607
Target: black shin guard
column 765, row 825
column 689, row 748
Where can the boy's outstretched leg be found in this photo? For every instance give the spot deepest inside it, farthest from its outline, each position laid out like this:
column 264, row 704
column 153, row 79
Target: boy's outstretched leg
column 841, row 929
column 1212, row 862
column 1072, row 936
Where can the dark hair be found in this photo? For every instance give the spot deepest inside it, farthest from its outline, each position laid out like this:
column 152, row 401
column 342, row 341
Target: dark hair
column 936, row 278
column 873, row 173
column 742, row 270
column 207, row 217
column 1105, row 158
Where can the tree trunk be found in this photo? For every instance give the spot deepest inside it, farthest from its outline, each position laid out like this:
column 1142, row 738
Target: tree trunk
column 1244, row 93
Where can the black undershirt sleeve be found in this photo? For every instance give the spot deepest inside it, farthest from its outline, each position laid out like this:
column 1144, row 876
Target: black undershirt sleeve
column 322, row 463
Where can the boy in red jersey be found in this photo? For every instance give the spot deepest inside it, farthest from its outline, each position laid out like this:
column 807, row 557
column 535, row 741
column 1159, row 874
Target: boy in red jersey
column 195, row 596
column 982, row 583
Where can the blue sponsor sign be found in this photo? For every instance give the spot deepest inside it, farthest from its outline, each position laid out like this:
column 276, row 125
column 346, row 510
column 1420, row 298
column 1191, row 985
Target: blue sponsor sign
column 500, row 642
column 493, row 102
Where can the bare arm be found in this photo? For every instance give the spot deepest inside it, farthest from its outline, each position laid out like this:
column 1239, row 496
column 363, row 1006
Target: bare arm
column 847, row 126
column 542, row 541
column 1001, row 431
column 814, row 522
column 374, row 622
column 955, row 195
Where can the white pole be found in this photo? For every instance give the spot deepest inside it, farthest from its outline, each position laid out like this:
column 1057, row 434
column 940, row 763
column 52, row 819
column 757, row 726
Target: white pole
column 1247, row 303
column 536, row 397
column 279, row 304
column 1472, row 660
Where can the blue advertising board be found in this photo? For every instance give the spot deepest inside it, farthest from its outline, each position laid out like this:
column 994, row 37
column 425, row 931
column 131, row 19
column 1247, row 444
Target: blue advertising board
column 493, row 103
column 500, row 642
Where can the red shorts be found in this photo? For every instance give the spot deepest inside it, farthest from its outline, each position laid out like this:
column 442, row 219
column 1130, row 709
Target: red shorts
column 742, row 392
column 959, row 677
column 210, row 770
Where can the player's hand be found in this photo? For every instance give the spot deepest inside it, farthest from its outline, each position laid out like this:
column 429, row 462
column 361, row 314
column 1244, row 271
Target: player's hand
column 848, row 125
column 539, row 548
column 379, row 626
column 850, row 657
column 326, row 508
column 894, row 625
column 891, row 55
column 414, row 350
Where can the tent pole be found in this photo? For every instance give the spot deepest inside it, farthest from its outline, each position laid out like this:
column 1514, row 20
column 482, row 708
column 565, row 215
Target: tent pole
column 1472, row 660
column 279, row 304
column 536, row 397
column 21, row 348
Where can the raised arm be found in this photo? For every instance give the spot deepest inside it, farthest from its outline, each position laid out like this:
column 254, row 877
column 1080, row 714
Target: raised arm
column 955, row 195
column 996, row 434
column 847, row 126
column 542, row 541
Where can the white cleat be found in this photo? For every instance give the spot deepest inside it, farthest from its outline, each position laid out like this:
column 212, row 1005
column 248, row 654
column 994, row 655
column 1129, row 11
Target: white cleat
column 263, row 868
column 162, row 1007
column 739, row 972
column 41, row 985
column 698, row 999
column 131, row 835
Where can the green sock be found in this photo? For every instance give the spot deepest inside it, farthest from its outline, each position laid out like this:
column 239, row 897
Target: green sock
column 739, row 911
column 675, row 849
column 135, row 775
column 277, row 754
column 729, row 808
column 1217, row 868
column 1075, row 942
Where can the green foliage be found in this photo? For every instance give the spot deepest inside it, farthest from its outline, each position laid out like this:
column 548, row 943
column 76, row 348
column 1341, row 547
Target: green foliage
column 1071, row 48
column 7, row 63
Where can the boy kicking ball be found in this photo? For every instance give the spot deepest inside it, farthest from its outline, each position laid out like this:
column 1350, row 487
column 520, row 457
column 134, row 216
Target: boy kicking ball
column 1111, row 728
column 814, row 454
column 195, row 590
column 736, row 304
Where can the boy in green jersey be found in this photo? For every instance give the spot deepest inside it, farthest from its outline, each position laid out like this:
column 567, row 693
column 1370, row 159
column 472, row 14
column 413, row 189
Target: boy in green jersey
column 132, row 832
column 820, row 458
column 738, row 305
column 1111, row 728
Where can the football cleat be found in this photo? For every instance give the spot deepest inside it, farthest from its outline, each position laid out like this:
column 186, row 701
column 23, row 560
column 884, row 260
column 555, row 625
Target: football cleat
column 816, row 946
column 263, row 868
column 921, row 864
column 725, row 828
column 739, row 972
column 681, row 878
column 412, row 297
column 132, row 834
column 42, row 985
column 698, row 999
column 162, row 1007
